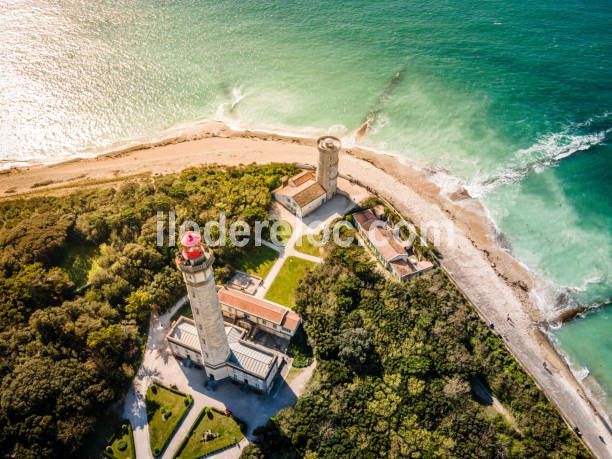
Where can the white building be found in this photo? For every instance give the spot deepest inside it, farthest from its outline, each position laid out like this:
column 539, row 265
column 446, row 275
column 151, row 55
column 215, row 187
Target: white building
column 387, row 249
column 306, row 192
column 240, row 308
column 247, row 363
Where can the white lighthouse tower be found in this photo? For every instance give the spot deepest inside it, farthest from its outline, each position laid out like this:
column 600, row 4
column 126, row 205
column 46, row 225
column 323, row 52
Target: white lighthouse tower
column 196, row 263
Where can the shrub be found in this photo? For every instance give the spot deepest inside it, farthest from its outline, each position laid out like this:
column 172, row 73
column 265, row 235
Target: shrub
column 121, row 445
column 109, row 450
column 154, row 389
column 300, row 350
column 208, row 435
column 165, row 412
column 156, row 452
column 124, row 428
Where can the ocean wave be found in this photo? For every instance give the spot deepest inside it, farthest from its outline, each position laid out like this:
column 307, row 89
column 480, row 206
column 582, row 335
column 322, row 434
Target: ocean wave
column 595, row 279
column 235, row 95
column 581, row 373
column 545, row 153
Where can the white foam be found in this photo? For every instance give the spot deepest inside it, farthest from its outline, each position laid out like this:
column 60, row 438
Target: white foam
column 237, row 97
column 545, row 153
column 447, row 182
column 581, row 374
column 595, row 279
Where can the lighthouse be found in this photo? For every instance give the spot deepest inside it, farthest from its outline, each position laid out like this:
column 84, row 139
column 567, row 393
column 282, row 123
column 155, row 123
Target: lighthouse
column 327, row 170
column 304, row 193
column 196, row 263
column 224, row 348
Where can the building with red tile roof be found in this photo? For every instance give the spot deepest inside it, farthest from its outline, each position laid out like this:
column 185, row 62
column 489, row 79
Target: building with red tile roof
column 271, row 317
column 385, row 246
column 305, row 192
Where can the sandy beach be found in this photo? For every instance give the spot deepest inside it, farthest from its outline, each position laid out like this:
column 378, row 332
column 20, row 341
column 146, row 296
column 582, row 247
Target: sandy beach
column 498, row 285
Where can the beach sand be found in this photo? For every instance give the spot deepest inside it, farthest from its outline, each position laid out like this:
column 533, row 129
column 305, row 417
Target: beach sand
column 499, row 286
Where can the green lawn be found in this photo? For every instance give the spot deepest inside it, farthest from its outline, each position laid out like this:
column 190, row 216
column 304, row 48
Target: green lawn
column 226, row 427
column 257, row 260
column 122, row 446
column 77, row 260
column 283, row 232
column 283, row 288
column 161, row 430
column 304, row 245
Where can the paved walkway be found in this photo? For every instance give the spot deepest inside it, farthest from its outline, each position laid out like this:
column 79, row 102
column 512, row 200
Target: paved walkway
column 311, row 224
column 288, row 250
column 159, row 365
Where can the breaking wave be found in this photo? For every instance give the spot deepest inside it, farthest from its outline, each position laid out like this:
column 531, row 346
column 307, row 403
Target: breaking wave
column 581, row 374
column 233, row 97
column 545, row 153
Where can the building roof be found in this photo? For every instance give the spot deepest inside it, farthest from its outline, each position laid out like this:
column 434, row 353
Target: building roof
column 251, row 358
column 185, row 332
column 292, row 320
column 402, row 267
column 420, row 265
column 245, row 356
column 365, row 218
column 380, row 236
column 257, row 307
column 306, row 196
column 302, row 177
column 387, row 245
column 303, row 188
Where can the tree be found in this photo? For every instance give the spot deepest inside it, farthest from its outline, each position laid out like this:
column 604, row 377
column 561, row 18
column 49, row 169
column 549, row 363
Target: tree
column 34, row 238
column 139, row 305
column 29, row 289
column 41, row 386
column 110, row 344
column 355, row 346
column 66, row 355
column 393, row 364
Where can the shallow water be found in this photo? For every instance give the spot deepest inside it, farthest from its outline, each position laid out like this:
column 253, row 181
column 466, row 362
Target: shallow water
column 589, row 341
column 514, row 98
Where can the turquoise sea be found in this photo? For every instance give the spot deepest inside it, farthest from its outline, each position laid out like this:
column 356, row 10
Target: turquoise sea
column 513, row 98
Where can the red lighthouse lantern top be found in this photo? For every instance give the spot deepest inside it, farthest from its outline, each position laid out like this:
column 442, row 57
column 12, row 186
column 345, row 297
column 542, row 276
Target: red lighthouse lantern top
column 191, row 245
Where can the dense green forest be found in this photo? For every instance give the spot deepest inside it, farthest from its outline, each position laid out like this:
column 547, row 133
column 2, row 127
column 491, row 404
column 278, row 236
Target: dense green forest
column 396, row 364
column 395, row 360
column 68, row 352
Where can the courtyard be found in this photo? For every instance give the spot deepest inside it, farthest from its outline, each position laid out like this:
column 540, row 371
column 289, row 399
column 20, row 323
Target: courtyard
column 159, row 366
